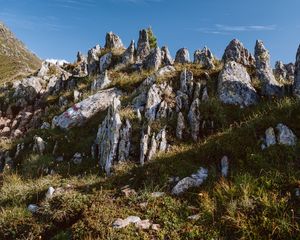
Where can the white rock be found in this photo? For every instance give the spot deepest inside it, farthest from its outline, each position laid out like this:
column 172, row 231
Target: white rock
column 50, row 192
column 285, row 135
column 33, row 208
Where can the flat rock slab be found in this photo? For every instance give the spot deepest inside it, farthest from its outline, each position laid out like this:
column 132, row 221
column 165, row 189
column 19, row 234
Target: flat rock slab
column 86, row 109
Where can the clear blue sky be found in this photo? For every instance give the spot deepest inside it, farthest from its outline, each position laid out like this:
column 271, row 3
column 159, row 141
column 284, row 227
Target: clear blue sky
column 59, row 28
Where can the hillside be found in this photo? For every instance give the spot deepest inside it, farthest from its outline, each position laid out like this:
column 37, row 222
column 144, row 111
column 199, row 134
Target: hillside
column 129, row 143
column 16, row 61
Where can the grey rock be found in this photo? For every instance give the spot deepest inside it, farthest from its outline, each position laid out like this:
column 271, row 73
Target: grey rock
column 270, row 86
column 285, row 135
column 77, row 158
column 236, row 52
column 180, row 126
column 182, row 101
column 235, row 87
column 121, row 223
column 182, row 56
column 153, row 102
column 93, row 60
column 33, row 208
column 124, row 144
column 144, row 144
column 128, row 55
column 77, row 95
column 28, row 88
column 166, row 56
column 187, row 82
column 143, row 224
column 194, row 119
column 296, row 87
column 108, row 137
column 86, row 109
column 45, row 125
column 153, row 60
column 153, row 148
column 113, row 41
column 165, row 70
column 224, row 166
column 270, row 138
column 194, row 180
column 143, row 46
column 101, row 82
column 105, row 62
column 204, row 58
column 39, row 145
column 50, row 192
column 81, row 66
column 205, row 96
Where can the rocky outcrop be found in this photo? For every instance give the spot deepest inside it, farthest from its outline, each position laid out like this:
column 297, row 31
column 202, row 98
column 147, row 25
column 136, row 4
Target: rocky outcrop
column 194, row 119
column 270, row 87
column 105, row 62
column 86, row 109
column 235, row 87
column 166, row 57
column 124, row 144
column 195, row 180
column 128, row 55
column 182, row 56
column 297, row 75
column 236, row 51
column 283, row 135
column 285, row 72
column 93, row 60
column 108, row 137
column 113, row 41
column 204, row 58
column 28, row 88
column 143, row 46
column 180, row 126
column 153, row 60
column 81, row 66
column 101, row 82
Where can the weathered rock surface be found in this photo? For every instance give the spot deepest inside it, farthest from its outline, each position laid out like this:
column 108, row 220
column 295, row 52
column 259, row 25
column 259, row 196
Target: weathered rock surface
column 180, row 126
column 93, row 60
column 182, row 56
column 81, row 66
column 194, row 119
column 236, row 51
column 285, row 72
column 125, row 144
column 195, row 180
column 101, row 82
column 113, row 41
column 205, row 58
column 86, row 109
column 166, row 57
column 143, row 46
column 235, row 87
column 153, row 60
column 39, row 145
column 105, row 62
column 297, row 75
column 128, row 55
column 270, row 86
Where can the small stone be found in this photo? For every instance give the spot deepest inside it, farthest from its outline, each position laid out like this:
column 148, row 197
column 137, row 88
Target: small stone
column 157, row 194
column 224, row 166
column 77, row 158
column 155, row 227
column 50, row 192
column 285, row 135
column 194, row 217
column 33, row 208
column 270, row 137
column 144, row 224
column 59, row 159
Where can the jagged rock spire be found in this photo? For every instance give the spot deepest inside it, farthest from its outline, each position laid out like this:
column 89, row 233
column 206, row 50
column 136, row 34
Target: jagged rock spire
column 182, row 56
column 113, row 41
column 143, row 46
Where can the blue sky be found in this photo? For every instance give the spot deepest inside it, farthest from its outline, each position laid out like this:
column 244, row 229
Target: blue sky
column 59, row 28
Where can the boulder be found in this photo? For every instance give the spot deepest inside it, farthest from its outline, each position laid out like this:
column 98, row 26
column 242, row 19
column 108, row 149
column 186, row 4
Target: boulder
column 165, row 70
column 166, row 57
column 235, row 87
column 204, row 58
column 153, row 60
column 28, row 88
column 113, row 41
column 296, row 87
column 128, row 56
column 93, row 60
column 143, row 46
column 108, row 137
column 39, row 145
column 105, row 62
column 101, row 82
column 182, row 56
column 195, row 180
column 270, row 137
column 285, row 135
column 270, row 86
column 236, row 51
column 86, row 109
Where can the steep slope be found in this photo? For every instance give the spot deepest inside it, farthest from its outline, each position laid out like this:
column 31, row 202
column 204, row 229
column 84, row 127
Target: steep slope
column 15, row 59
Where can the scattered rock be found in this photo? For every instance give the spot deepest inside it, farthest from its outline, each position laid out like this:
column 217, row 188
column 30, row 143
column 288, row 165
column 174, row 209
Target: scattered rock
column 50, row 192
column 235, row 87
column 77, row 158
column 128, row 55
column 33, row 208
column 128, row 191
column 157, row 194
column 121, row 223
column 182, row 56
column 285, row 135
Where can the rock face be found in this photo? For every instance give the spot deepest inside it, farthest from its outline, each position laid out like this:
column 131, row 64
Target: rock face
column 93, row 60
column 180, row 126
column 236, row 51
column 81, row 66
column 297, row 75
column 128, row 55
column 113, row 41
column 108, row 137
column 270, row 87
column 182, row 56
column 166, row 56
column 143, row 46
column 101, row 82
column 205, row 58
column 105, row 62
column 153, row 60
column 28, row 88
column 84, row 110
column 235, row 87
column 195, row 180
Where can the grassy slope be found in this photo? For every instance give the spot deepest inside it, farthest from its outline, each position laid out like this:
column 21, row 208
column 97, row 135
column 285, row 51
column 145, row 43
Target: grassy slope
column 257, row 201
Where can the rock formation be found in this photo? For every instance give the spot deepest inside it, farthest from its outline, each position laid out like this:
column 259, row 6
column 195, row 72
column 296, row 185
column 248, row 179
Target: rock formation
column 113, row 41
column 153, row 60
column 297, row 75
column 182, row 56
column 205, row 58
column 143, row 46
column 166, row 56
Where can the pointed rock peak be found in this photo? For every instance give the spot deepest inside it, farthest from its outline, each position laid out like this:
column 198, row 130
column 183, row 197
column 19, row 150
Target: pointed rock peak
column 235, row 51
column 166, row 56
column 182, row 56
column 143, row 46
column 261, row 53
column 113, row 41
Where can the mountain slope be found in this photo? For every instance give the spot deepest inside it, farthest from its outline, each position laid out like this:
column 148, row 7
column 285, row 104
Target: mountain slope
column 15, row 59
